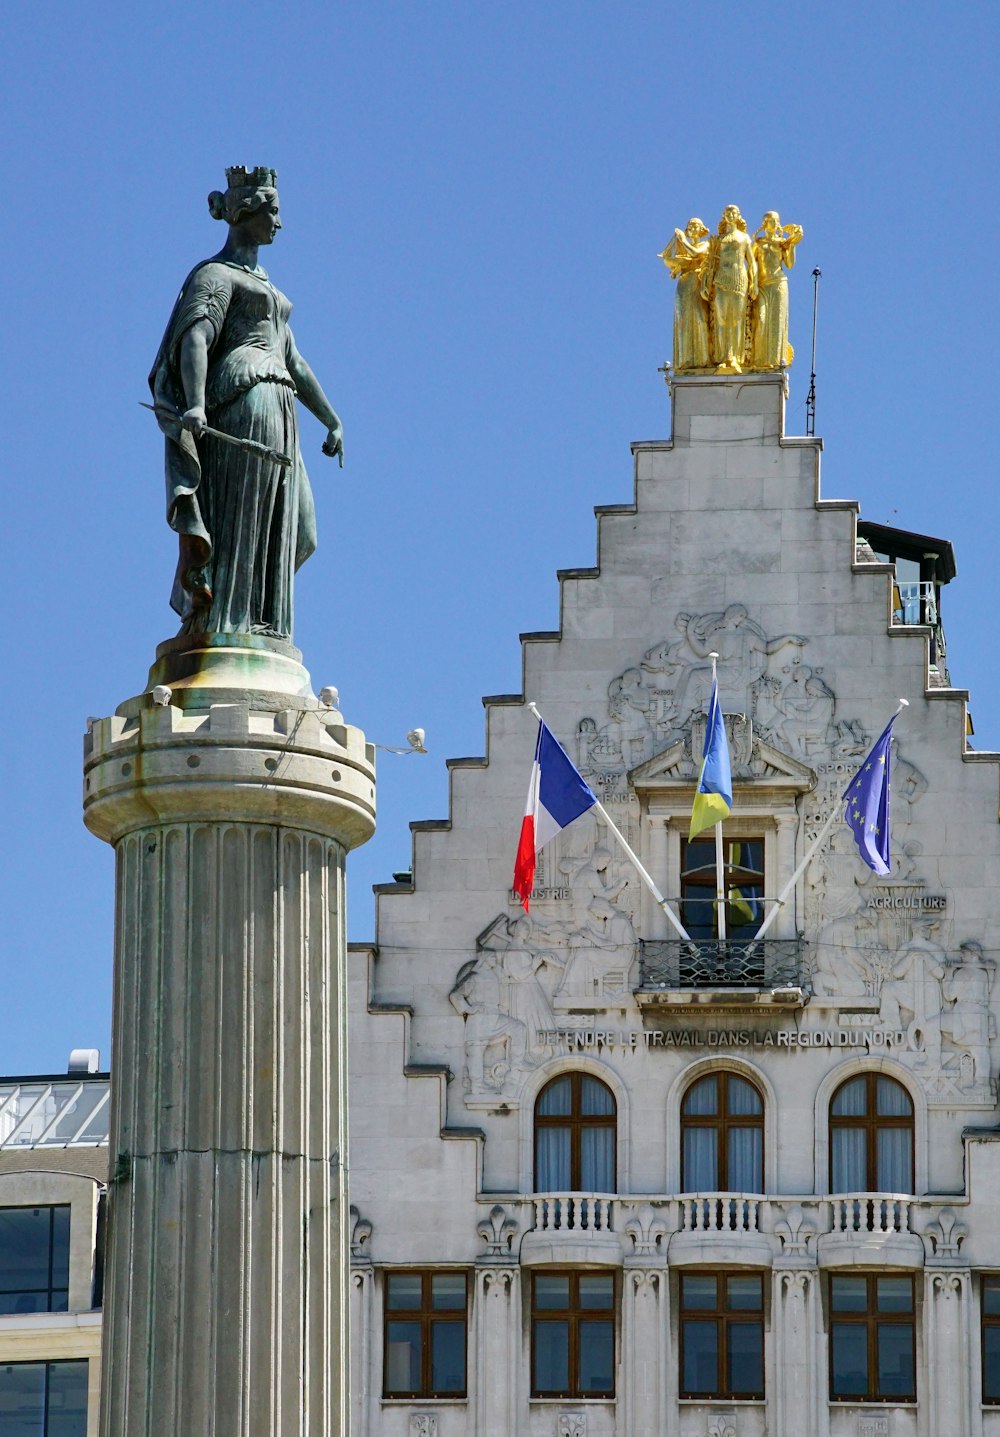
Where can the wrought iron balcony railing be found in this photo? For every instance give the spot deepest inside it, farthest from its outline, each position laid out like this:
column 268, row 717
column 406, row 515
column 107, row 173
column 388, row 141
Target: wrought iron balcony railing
column 746, row 963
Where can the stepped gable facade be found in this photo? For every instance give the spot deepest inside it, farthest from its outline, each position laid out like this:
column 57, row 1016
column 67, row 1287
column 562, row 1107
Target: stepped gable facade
column 605, row 1181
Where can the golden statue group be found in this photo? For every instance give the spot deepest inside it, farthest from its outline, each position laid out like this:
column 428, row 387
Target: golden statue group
column 731, row 309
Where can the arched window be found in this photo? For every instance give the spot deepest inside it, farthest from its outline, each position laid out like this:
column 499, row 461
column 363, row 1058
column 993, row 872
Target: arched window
column 871, row 1136
column 575, row 1136
column 722, row 1136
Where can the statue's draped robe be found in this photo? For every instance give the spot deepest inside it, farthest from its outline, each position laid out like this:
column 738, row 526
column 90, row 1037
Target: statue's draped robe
column 246, row 522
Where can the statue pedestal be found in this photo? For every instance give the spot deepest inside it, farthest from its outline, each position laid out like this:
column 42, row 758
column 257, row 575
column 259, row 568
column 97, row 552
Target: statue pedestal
column 227, row 1259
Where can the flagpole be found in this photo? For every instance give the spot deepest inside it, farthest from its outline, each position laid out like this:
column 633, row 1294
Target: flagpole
column 811, row 852
column 599, row 808
column 720, row 864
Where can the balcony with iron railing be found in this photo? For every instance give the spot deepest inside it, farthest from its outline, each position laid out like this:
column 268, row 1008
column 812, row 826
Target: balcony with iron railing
column 741, row 973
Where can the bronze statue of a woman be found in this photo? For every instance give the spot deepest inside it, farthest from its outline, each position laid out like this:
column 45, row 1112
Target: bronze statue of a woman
column 228, row 363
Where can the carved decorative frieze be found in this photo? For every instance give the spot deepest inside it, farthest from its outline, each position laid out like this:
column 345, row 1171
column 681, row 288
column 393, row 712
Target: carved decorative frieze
column 423, row 1424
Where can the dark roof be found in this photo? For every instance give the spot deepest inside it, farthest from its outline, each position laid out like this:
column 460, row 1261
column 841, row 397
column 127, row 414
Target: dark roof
column 884, row 537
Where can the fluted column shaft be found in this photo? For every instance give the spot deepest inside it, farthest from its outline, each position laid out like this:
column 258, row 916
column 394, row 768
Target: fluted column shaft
column 226, row 1290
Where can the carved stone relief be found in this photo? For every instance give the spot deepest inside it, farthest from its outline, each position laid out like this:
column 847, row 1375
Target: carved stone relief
column 498, row 1231
column 361, row 1237
column 571, row 1424
column 660, row 701
column 797, row 1234
column 722, row 1428
column 647, row 1232
column 873, row 1426
column 943, row 1237
column 529, row 967
column 423, row 1424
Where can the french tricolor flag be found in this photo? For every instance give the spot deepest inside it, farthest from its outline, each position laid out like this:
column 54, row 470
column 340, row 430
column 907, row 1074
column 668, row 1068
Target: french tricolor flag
column 556, row 795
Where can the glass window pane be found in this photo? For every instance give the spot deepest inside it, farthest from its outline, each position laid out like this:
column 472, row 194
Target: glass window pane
column 404, row 1290
column 744, row 1292
column 402, row 1357
column 991, row 1296
column 700, row 1158
column 22, row 1399
column 849, row 1359
column 895, row 1294
column 745, row 1160
column 746, row 1358
column 551, row 1344
column 447, row 1357
column 596, row 1100
column 596, row 1290
column 991, row 1364
column 702, row 1098
column 895, row 1359
column 849, row 1294
column 743, row 1098
column 552, row 1291
column 24, row 1250
column 552, row 1160
column 597, row 1356
column 67, row 1399
column 894, row 1158
column 849, row 1161
column 851, row 1101
column 699, row 1291
column 447, row 1290
column 892, row 1100
column 701, row 1356
column 556, row 1099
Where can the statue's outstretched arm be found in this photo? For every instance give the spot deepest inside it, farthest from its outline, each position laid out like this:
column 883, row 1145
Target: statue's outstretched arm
column 309, row 390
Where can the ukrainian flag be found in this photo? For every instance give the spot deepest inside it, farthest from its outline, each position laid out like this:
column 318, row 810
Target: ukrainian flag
column 714, row 797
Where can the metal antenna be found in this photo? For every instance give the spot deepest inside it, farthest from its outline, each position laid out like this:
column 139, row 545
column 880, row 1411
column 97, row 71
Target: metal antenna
column 811, row 396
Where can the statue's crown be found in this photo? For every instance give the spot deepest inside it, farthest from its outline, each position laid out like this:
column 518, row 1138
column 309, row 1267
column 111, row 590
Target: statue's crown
column 261, row 178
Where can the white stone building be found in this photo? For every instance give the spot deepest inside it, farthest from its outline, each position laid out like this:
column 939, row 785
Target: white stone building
column 606, row 1184
column 53, row 1175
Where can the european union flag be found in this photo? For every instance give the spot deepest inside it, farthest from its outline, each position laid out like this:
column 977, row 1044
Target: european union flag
column 867, row 798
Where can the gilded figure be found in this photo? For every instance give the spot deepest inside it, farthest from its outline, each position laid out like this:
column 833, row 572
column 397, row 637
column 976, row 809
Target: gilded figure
column 774, row 251
column 729, row 284
column 228, row 370
column 685, row 256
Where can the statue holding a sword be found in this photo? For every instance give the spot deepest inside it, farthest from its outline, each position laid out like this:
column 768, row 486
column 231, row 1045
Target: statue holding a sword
column 225, row 383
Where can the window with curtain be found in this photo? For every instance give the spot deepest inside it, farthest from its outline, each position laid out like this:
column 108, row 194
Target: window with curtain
column 872, row 1338
column 576, row 1129
column 871, row 1136
column 425, row 1334
column 722, row 1135
column 743, row 883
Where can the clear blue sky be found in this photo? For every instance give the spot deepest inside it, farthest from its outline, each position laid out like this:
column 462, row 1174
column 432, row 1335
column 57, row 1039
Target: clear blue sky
column 473, row 198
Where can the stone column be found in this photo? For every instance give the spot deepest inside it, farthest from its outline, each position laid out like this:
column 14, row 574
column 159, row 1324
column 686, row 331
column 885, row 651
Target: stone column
column 799, row 1405
column 226, row 1292
column 495, row 1360
column 644, row 1346
column 949, row 1359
